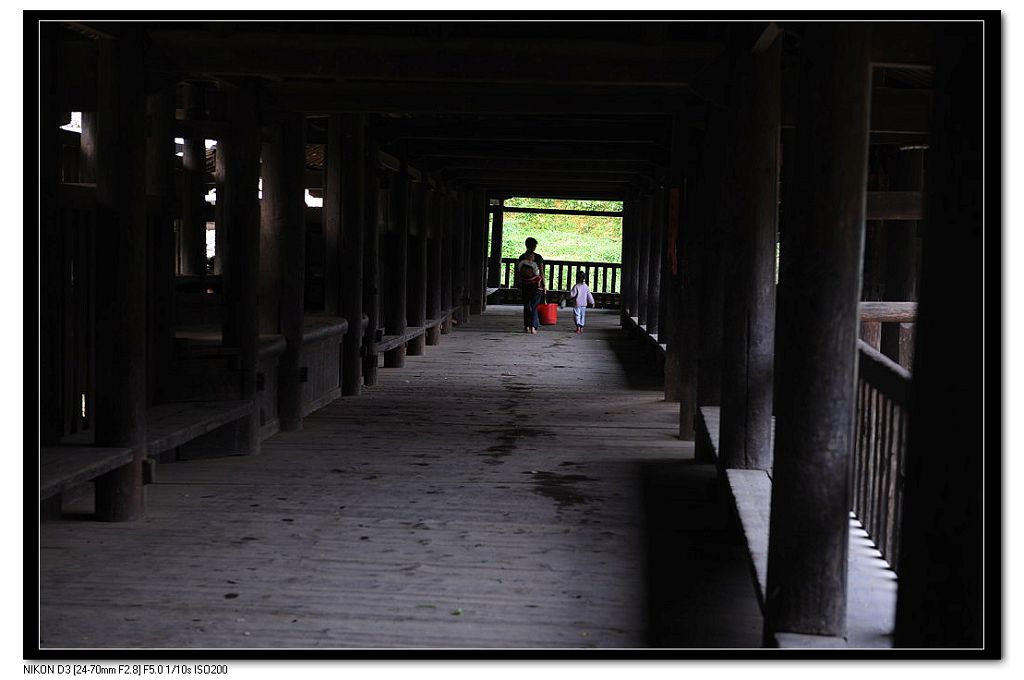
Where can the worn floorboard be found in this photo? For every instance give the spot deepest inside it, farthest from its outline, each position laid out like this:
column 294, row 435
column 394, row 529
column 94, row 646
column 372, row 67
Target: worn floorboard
column 504, row 490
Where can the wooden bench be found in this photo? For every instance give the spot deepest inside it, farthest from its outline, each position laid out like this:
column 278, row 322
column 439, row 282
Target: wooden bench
column 169, row 426
column 62, row 468
column 653, row 338
column 389, row 342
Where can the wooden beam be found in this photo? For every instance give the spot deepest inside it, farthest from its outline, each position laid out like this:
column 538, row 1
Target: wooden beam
column 888, row 312
column 647, row 129
column 632, row 151
column 555, row 211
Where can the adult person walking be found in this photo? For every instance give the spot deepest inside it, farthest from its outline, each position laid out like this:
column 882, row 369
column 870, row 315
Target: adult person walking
column 530, row 271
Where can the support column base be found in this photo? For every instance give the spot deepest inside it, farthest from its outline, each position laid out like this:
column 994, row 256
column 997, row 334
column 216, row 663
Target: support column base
column 415, row 347
column 433, row 335
column 119, row 493
column 395, row 358
column 370, row 370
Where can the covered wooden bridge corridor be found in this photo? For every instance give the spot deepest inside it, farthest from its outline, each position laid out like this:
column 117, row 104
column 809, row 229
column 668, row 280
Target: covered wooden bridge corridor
column 286, row 400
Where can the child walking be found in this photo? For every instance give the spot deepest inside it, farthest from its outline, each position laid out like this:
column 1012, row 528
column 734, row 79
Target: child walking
column 581, row 297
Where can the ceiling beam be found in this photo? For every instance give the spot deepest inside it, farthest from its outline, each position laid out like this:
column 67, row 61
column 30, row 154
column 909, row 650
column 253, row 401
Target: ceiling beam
column 647, row 130
column 404, row 58
column 479, row 99
column 575, row 151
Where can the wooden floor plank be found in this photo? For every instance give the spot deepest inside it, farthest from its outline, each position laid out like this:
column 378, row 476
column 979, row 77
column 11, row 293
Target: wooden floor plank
column 494, row 492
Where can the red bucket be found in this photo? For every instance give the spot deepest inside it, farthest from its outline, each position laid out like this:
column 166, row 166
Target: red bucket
column 548, row 314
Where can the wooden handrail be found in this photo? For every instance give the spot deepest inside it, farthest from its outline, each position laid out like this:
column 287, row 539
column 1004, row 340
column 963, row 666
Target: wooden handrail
column 884, row 374
column 888, row 312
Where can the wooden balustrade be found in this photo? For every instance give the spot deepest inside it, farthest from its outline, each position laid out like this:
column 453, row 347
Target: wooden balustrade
column 560, row 275
column 880, row 439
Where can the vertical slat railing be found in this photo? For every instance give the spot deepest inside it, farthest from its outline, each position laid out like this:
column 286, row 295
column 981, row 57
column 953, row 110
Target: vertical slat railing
column 876, row 483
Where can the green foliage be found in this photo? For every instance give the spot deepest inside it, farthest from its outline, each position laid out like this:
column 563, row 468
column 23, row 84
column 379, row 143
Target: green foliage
column 563, row 237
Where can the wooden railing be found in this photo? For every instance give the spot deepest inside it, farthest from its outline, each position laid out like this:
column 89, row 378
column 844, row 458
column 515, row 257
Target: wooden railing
column 880, row 440
column 602, row 277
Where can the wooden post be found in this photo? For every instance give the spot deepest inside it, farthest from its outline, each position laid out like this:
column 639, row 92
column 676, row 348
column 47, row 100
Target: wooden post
column 120, row 403
column 417, row 284
column 944, row 580
column 630, row 258
column 220, row 236
column 465, row 267
column 712, row 281
column 654, row 263
column 353, row 230
column 643, row 268
column 334, row 194
column 398, row 267
column 160, row 192
column 192, row 255
column 672, row 324
column 432, row 232
column 50, row 256
column 749, row 328
column 239, row 258
column 376, row 185
column 819, row 290
column 446, row 230
column 282, row 256
column 477, row 222
column 901, row 257
column 697, row 193
column 497, row 229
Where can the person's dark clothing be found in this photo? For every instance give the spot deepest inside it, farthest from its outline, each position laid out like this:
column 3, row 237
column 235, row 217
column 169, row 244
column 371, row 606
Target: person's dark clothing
column 532, row 294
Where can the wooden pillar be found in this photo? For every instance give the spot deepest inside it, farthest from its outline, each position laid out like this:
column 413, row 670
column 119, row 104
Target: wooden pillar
column 282, row 256
column 906, row 173
column 671, row 324
column 376, row 183
column 497, row 229
column 397, row 255
column 654, row 263
column 697, row 192
column 944, row 579
column 643, row 268
column 120, row 402
column 712, row 282
column 220, row 228
column 334, row 194
column 477, row 222
column 50, row 256
column 162, row 207
column 630, row 258
column 192, row 254
column 819, row 290
column 417, row 284
column 239, row 258
column 446, row 230
column 354, row 194
column 463, row 257
column 432, row 232
column 749, row 326
column 87, row 149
